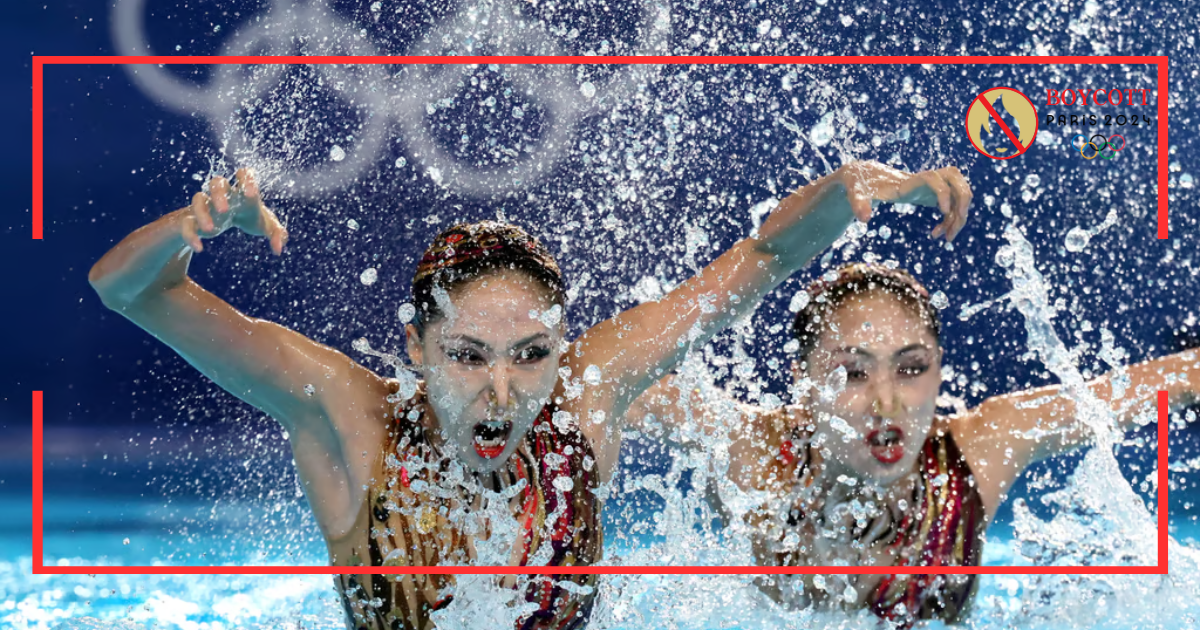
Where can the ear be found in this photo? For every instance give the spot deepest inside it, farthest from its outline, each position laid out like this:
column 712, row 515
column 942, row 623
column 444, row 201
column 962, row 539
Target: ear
column 416, row 351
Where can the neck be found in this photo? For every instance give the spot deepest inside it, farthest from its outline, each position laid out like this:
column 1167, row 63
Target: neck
column 826, row 473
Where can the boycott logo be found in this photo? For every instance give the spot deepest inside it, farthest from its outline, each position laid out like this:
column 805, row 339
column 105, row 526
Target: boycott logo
column 982, row 112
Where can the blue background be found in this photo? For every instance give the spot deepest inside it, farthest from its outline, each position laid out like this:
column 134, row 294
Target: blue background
column 110, row 167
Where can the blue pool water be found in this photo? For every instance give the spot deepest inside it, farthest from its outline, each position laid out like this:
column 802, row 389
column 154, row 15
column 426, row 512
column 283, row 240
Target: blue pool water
column 124, row 528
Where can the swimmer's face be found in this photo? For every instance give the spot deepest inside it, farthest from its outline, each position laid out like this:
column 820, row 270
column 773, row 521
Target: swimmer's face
column 489, row 367
column 891, row 364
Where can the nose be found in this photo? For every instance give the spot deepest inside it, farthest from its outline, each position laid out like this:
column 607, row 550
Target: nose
column 886, row 402
column 500, row 384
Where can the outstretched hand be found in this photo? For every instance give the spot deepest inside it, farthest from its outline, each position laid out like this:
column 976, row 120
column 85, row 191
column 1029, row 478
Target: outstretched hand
column 866, row 182
column 238, row 206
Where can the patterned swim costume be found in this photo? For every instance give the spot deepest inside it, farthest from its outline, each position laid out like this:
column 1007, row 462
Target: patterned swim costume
column 943, row 527
column 949, row 528
column 405, row 523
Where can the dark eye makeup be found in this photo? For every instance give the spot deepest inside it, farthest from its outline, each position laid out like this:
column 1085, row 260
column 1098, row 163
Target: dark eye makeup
column 533, row 354
column 464, row 355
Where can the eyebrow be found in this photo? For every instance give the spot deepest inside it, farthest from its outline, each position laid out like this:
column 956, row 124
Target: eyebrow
column 485, row 346
column 861, row 351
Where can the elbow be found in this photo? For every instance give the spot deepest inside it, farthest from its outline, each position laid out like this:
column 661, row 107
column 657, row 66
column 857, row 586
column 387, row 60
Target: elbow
column 102, row 283
column 99, row 281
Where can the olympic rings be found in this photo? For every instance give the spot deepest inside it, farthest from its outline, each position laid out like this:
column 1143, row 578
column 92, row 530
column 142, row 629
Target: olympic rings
column 406, row 98
column 1090, row 142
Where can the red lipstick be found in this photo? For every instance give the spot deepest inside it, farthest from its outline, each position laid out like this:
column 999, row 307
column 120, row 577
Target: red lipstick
column 491, row 438
column 886, row 444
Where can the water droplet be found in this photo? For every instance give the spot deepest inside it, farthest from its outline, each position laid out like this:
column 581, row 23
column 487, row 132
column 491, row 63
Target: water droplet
column 885, row 232
column 125, row 542
column 799, row 301
column 564, row 483
column 939, row 300
column 1174, row 167
column 847, row 20
column 436, row 175
column 841, row 426
column 408, row 384
column 648, row 289
column 309, row 390
column 401, row 162
column 1005, row 257
column 337, row 154
column 360, row 345
column 588, row 89
column 406, row 312
column 1077, row 239
column 850, row 595
column 352, row 224
column 1186, row 181
column 822, row 132
column 1032, row 180
column 369, row 276
column 592, row 375
column 376, row 7
column 551, row 316
column 518, row 112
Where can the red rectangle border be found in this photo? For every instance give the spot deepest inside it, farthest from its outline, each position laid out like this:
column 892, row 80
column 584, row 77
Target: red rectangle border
column 39, row 568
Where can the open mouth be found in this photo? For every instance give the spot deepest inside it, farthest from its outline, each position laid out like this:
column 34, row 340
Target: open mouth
column 886, row 444
column 491, row 436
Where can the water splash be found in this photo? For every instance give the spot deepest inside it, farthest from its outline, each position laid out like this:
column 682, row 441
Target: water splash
column 1078, row 238
column 1099, row 519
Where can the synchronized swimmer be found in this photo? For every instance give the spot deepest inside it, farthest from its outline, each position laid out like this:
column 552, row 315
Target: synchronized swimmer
column 510, row 428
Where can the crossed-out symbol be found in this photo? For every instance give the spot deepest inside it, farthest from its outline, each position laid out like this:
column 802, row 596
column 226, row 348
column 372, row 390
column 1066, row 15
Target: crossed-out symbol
column 404, row 99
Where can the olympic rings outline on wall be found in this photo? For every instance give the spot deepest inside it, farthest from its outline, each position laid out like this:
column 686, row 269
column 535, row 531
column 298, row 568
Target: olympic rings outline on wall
column 403, row 99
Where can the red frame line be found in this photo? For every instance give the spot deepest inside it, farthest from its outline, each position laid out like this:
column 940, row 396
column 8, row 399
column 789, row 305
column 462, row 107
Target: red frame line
column 39, row 568
column 39, row 61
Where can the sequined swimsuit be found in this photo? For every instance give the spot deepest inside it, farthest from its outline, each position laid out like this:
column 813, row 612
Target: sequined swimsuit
column 944, row 527
column 407, row 520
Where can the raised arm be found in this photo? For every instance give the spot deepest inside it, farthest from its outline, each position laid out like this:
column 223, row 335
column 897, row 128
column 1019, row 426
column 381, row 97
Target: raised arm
column 144, row 278
column 636, row 348
column 1005, row 434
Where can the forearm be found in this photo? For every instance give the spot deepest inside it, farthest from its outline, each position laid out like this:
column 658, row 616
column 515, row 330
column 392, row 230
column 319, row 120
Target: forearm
column 640, row 346
column 1049, row 421
column 1176, row 374
column 805, row 223
column 154, row 257
column 799, row 229
column 649, row 341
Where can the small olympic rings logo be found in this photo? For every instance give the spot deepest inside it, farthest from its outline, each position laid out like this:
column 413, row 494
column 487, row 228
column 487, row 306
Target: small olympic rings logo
column 1097, row 147
column 392, row 103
